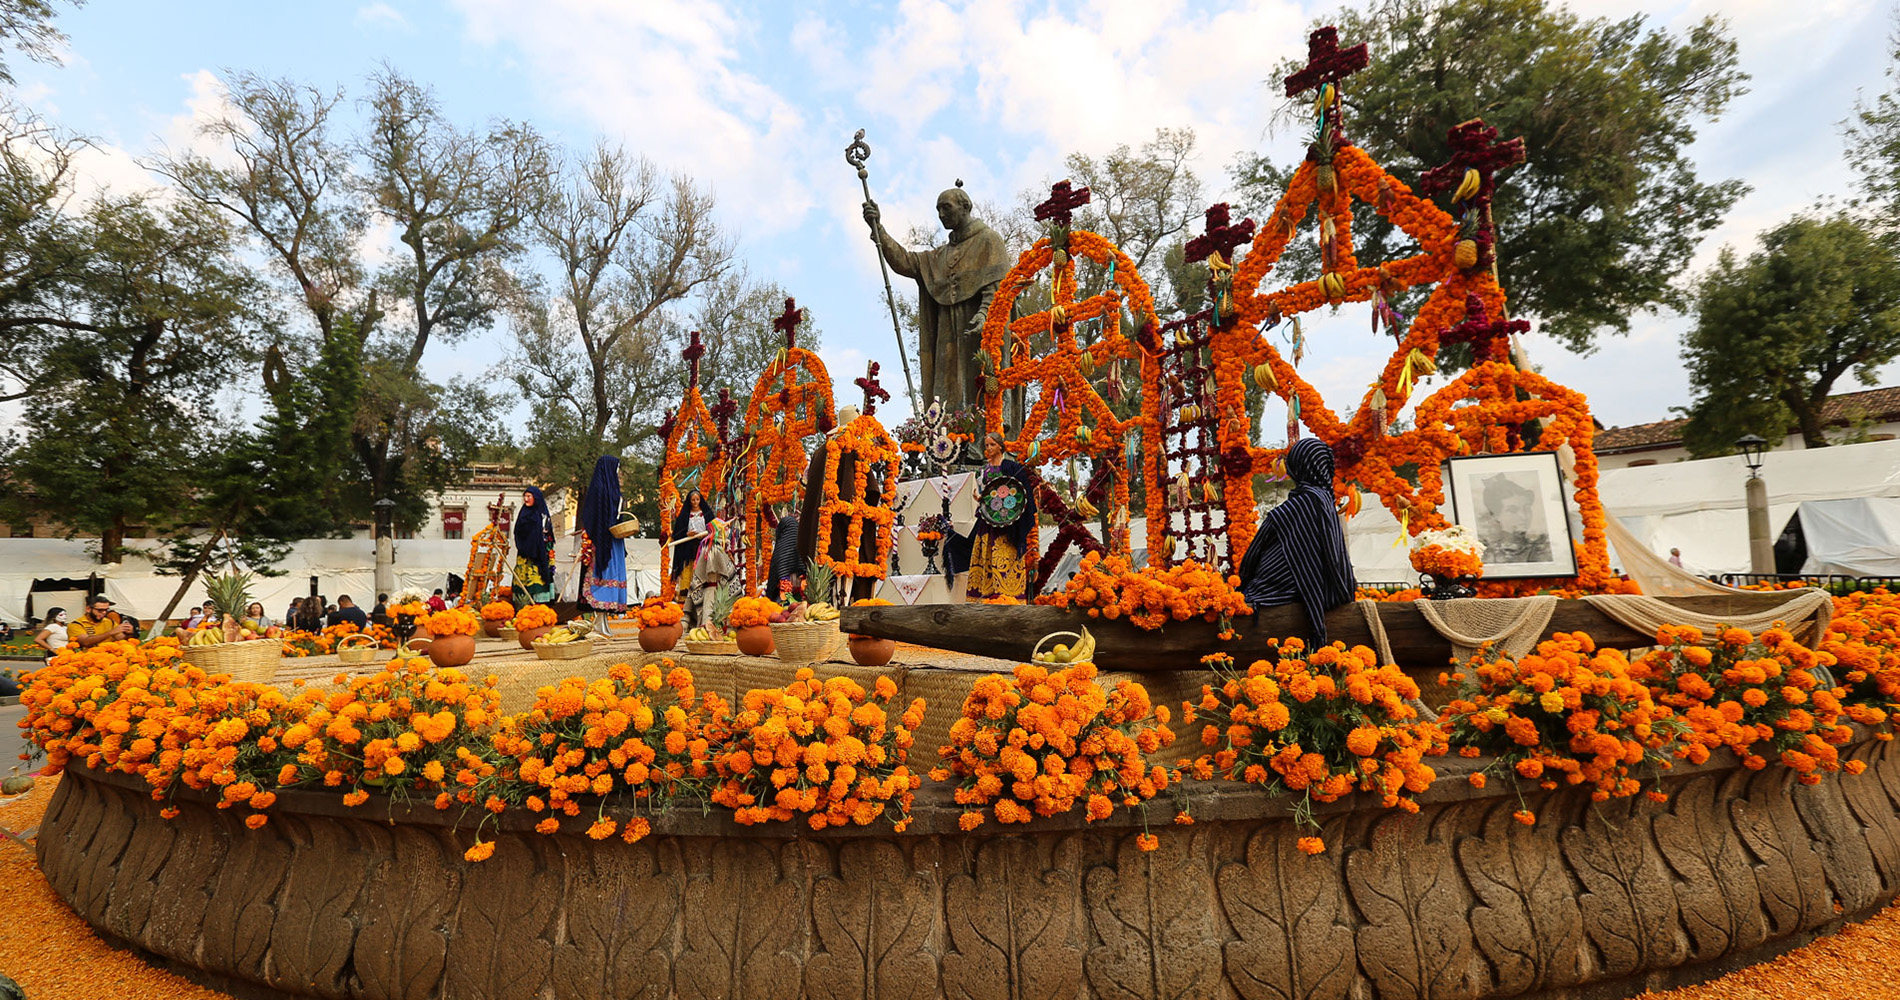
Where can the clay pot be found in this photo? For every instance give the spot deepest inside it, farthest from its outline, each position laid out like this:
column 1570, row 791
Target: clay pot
column 527, row 636
column 452, row 650
column 661, row 638
column 491, row 629
column 755, row 640
column 870, row 651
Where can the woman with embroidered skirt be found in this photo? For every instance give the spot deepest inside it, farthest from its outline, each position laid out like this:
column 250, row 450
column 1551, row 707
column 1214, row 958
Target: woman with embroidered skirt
column 604, row 586
column 1005, row 513
column 534, row 547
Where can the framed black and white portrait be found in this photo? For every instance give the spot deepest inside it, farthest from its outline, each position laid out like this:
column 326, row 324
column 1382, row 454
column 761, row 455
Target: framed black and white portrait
column 1515, row 505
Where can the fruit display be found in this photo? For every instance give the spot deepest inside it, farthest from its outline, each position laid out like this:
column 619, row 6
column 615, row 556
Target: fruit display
column 1082, row 652
column 573, row 631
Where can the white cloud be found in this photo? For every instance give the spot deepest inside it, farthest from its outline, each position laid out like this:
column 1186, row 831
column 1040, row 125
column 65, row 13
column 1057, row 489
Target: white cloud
column 381, row 16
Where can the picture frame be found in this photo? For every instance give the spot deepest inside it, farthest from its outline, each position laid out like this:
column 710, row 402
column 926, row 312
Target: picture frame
column 1515, row 504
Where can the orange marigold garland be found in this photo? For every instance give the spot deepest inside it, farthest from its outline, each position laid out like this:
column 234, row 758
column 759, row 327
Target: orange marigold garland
column 791, row 401
column 655, row 612
column 1042, row 742
column 871, row 447
column 829, row 751
column 691, row 441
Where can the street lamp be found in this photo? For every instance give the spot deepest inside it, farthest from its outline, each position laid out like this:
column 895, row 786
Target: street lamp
column 1761, row 545
column 385, row 546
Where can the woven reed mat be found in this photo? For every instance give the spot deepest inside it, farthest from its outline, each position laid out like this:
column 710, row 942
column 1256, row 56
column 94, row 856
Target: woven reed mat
column 1807, row 615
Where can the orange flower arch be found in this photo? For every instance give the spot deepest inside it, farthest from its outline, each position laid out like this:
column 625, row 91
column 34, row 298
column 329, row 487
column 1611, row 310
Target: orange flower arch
column 866, row 439
column 791, row 401
column 692, row 442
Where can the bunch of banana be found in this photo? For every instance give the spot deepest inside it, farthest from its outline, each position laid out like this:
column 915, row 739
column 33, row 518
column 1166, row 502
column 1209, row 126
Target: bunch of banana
column 700, row 633
column 1263, row 378
column 560, row 635
column 206, row 637
column 1082, row 652
column 1333, row 285
column 821, row 612
column 581, row 628
column 1084, row 507
column 1468, row 186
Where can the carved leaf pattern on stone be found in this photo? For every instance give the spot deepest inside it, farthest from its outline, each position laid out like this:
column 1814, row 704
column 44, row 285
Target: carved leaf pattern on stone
column 311, row 938
column 620, row 909
column 1628, row 907
column 412, row 888
column 500, row 944
column 1158, row 937
column 875, row 920
column 1846, row 861
column 1720, row 904
column 1416, row 941
column 243, row 905
column 145, row 856
column 738, row 942
column 1526, row 920
column 1875, row 811
column 182, row 891
column 1286, row 908
column 1013, row 924
column 92, row 893
column 1793, row 887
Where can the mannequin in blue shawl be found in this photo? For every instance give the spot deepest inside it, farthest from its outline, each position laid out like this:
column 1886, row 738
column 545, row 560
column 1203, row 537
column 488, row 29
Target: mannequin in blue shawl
column 1299, row 554
column 605, row 583
column 534, row 546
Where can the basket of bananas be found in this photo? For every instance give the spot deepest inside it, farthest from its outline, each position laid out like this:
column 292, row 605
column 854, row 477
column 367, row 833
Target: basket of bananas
column 808, row 634
column 566, row 642
column 1062, row 653
column 703, row 641
column 357, row 647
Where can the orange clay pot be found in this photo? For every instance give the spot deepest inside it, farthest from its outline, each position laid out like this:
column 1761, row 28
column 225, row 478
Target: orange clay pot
column 451, row 650
column 527, row 636
column 870, row 651
column 661, row 638
column 755, row 640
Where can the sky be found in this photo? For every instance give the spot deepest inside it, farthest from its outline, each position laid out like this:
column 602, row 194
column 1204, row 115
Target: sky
column 758, row 101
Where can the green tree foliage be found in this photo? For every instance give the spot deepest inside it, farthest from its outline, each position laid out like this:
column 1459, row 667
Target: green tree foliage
column 1608, row 210
column 27, row 27
column 1873, row 145
column 1774, row 332
column 122, row 423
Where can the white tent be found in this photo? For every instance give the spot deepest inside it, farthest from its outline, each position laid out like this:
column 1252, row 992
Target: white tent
column 1854, row 537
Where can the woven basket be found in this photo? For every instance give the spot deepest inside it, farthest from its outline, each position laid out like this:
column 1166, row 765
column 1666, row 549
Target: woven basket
column 805, row 642
column 625, row 529
column 357, row 654
column 253, row 660
column 578, row 649
column 509, row 633
column 715, row 647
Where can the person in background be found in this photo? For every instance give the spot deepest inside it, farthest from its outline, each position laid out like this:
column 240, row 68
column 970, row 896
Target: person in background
column 99, row 624
column 1675, row 558
column 604, row 577
column 347, row 612
column 1298, row 556
column 199, row 615
column 380, row 613
column 290, row 612
column 51, row 633
column 254, row 617
column 308, row 615
column 436, row 603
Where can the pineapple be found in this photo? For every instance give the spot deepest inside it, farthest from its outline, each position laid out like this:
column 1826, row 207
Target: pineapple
column 719, row 610
column 230, row 594
column 818, row 579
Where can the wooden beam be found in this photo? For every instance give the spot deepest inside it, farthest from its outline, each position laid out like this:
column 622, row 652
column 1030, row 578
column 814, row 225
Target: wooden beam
column 1009, row 632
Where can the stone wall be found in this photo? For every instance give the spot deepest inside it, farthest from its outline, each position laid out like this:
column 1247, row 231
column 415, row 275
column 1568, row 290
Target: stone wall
column 1460, row 900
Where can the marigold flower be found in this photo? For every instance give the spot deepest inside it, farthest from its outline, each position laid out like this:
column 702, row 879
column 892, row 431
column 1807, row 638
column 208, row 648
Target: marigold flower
column 482, row 851
column 1311, row 845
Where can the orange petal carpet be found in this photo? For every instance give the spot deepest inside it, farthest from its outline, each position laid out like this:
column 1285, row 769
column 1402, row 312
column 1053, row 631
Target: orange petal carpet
column 53, row 955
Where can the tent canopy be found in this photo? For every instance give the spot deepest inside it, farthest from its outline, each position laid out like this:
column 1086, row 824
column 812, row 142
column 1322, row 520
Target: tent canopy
column 1853, row 537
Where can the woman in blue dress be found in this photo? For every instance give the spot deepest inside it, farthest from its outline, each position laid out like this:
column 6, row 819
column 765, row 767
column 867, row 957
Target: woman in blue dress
column 534, row 543
column 604, row 586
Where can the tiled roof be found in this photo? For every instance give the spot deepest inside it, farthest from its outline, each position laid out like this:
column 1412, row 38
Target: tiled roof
column 1660, row 434
column 1878, row 405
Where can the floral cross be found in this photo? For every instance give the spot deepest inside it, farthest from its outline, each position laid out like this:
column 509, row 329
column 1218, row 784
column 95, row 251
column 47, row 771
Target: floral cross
column 873, row 392
column 1474, row 146
column 1486, row 335
column 695, row 349
column 787, row 322
column 723, row 411
column 1326, row 62
column 1062, row 203
column 1221, row 237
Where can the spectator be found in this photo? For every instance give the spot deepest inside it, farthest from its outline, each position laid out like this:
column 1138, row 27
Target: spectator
column 306, row 615
column 380, row 614
column 254, row 614
column 347, row 611
column 436, row 603
column 99, row 624
column 1675, row 558
column 199, row 615
column 51, row 633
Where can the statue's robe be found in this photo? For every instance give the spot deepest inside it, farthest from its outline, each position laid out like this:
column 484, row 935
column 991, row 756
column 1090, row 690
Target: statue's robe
column 955, row 284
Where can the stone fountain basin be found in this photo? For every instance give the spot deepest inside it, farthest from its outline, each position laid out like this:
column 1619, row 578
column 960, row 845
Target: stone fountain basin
column 1460, row 900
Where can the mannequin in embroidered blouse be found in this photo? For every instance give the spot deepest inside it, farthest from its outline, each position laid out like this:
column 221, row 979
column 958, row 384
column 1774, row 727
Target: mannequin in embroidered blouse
column 1299, row 554
column 1005, row 512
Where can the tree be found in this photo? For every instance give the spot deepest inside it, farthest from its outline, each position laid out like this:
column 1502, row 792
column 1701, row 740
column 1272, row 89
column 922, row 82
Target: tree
column 1609, row 209
column 41, row 243
column 121, row 425
column 734, row 319
column 27, row 26
column 1819, row 300
column 596, row 355
column 1873, row 144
